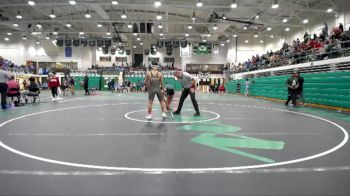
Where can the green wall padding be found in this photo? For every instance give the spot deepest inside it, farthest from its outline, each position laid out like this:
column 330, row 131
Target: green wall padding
column 94, row 82
column 328, row 88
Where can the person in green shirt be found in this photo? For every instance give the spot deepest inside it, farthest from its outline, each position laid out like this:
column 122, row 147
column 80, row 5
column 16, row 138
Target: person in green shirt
column 292, row 84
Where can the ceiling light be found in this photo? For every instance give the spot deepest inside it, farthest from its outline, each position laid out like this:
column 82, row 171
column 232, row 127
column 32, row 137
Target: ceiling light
column 7, row 39
column 87, row 14
column 160, row 26
column 83, row 37
column 209, row 35
column 269, row 28
column 55, row 33
column 129, row 26
column 159, row 17
column 72, row 2
column 204, row 40
column 186, row 34
column 141, row 43
column 138, row 38
column 261, row 41
column 24, row 38
column 135, row 34
column 134, row 46
column 246, row 41
column 305, row 21
column 245, row 28
column 234, row 4
column 329, row 10
column 228, row 41
column 223, row 17
column 275, row 4
column 272, row 36
column 189, row 27
column 31, row 3
column 19, row 16
column 81, row 33
column 199, row 3
column 256, row 36
column 161, row 34
column 39, row 26
column 108, row 33
column 99, row 25
column 235, row 35
column 52, row 14
column 285, row 20
column 68, row 25
column 115, row 2
column 37, row 42
column 47, row 38
column 123, row 16
column 287, row 29
column 222, row 44
column 15, row 25
column 215, row 27
column 157, row 3
column 257, row 16
column 193, row 16
column 9, row 33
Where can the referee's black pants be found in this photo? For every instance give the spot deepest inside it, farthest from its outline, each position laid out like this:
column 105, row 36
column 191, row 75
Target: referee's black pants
column 184, row 95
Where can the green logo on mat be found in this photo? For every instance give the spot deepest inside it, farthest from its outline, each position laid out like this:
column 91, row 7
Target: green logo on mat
column 224, row 137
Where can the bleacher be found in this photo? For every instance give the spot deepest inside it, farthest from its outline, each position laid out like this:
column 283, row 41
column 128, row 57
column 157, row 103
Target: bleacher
column 325, row 84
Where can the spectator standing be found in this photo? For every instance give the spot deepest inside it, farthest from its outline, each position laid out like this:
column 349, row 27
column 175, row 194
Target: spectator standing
column 112, row 85
column 72, row 85
column 86, row 84
column 300, row 87
column 4, row 77
column 292, row 85
column 54, row 84
column 341, row 27
column 247, row 85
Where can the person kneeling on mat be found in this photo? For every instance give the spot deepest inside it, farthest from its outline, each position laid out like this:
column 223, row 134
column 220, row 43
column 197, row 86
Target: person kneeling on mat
column 154, row 85
column 189, row 87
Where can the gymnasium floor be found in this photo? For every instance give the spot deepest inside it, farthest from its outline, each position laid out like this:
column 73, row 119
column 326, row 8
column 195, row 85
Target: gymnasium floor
column 101, row 145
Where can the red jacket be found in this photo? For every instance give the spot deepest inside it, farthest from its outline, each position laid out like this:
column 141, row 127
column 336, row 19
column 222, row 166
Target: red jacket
column 54, row 82
column 12, row 84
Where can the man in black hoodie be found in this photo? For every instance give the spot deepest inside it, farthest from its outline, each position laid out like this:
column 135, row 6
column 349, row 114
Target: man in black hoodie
column 300, row 88
column 292, row 84
column 86, row 85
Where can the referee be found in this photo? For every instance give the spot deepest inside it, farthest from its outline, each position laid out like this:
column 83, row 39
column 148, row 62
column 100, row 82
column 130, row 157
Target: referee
column 189, row 87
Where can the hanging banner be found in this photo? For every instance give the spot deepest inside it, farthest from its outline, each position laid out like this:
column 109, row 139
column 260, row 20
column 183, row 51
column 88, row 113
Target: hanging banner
column 68, row 52
column 185, row 52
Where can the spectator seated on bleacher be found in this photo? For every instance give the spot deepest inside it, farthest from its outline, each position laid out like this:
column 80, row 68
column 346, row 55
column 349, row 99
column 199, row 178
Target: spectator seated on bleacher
column 32, row 90
column 13, row 89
